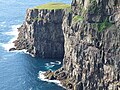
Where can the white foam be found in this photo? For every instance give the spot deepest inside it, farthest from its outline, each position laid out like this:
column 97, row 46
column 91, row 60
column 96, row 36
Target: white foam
column 52, row 62
column 14, row 33
column 58, row 62
column 2, row 24
column 55, row 63
column 49, row 66
column 42, row 77
column 18, row 51
column 8, row 46
column 1, row 44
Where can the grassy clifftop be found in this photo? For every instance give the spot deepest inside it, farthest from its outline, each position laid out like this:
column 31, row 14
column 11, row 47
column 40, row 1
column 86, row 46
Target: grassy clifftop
column 51, row 6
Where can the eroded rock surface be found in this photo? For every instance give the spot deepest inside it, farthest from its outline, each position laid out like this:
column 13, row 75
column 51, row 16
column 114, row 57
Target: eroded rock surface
column 90, row 34
column 41, row 34
column 92, row 45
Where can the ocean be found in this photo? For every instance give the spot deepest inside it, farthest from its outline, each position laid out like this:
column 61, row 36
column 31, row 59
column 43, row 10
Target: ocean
column 19, row 70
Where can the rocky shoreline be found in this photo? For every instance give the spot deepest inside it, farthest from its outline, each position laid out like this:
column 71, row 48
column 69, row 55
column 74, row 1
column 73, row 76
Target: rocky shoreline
column 59, row 75
column 86, row 37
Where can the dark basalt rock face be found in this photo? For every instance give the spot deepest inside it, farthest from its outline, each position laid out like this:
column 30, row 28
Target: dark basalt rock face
column 41, row 34
column 92, row 53
column 90, row 37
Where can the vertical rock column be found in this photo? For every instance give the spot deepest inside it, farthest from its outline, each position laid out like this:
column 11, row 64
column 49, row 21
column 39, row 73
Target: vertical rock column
column 41, row 34
column 92, row 52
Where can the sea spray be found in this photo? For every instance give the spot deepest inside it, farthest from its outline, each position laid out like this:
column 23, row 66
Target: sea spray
column 14, row 33
column 42, row 77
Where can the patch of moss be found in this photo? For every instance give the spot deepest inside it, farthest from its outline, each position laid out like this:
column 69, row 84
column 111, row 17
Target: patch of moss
column 84, row 12
column 92, row 7
column 95, row 25
column 105, row 24
column 69, row 10
column 51, row 6
column 36, row 19
column 77, row 18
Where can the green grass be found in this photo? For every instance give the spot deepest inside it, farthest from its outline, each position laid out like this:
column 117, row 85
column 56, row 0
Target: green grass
column 36, row 18
column 77, row 18
column 51, row 6
column 105, row 24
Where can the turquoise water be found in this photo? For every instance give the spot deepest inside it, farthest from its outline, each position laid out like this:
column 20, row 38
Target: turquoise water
column 18, row 70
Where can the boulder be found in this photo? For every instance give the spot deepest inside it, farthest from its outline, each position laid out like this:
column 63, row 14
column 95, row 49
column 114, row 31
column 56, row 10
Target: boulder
column 12, row 49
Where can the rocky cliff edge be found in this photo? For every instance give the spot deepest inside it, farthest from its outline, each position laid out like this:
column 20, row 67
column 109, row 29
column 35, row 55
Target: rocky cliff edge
column 41, row 33
column 88, row 37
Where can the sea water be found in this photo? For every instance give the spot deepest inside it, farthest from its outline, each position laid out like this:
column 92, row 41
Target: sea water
column 19, row 70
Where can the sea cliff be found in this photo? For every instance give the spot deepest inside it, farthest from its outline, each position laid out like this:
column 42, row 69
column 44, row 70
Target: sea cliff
column 92, row 45
column 87, row 36
column 41, row 34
